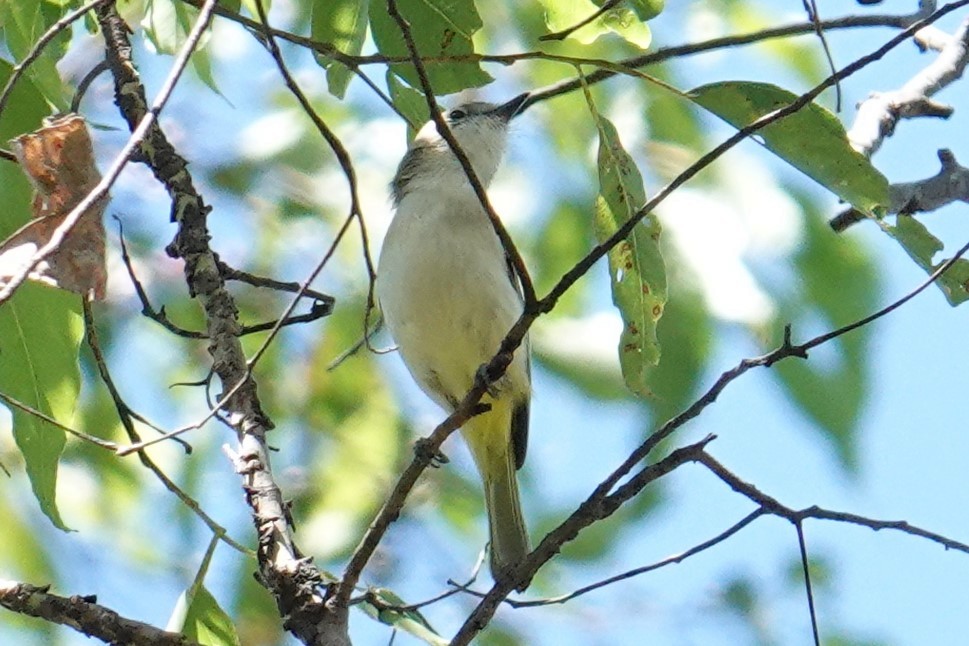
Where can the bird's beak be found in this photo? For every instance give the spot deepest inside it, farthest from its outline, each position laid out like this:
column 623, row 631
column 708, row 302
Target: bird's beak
column 513, row 108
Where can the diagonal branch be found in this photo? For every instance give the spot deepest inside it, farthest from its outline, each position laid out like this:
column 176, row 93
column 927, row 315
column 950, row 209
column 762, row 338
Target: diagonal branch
column 511, row 250
column 599, row 505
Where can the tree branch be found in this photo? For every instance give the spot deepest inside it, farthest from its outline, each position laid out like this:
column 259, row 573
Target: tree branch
column 84, row 615
column 950, row 184
column 879, row 114
column 599, row 505
column 772, row 506
column 282, row 569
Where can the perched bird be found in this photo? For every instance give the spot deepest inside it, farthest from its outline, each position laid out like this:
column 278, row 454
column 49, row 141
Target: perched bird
column 449, row 296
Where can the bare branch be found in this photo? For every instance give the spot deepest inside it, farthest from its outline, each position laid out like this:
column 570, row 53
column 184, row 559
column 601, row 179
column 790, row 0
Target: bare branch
column 84, row 615
column 97, row 441
column 671, row 560
column 599, row 505
column 774, row 507
column 880, row 113
column 282, row 569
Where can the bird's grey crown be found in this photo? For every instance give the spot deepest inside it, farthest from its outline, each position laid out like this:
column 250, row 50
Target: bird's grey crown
column 412, row 159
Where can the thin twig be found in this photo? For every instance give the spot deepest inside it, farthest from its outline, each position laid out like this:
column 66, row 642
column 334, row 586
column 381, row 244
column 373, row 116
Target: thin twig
column 772, row 506
column 802, row 548
column 97, row 441
column 125, row 415
column 231, row 273
column 670, row 560
column 346, row 164
column 811, row 7
column 565, row 33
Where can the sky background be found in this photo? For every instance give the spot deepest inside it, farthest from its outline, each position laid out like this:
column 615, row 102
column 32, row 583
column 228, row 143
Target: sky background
column 913, row 450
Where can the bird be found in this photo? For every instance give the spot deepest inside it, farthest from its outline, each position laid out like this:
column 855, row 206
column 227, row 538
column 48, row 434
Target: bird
column 448, row 296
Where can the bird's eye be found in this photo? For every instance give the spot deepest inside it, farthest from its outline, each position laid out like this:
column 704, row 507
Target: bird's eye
column 455, row 115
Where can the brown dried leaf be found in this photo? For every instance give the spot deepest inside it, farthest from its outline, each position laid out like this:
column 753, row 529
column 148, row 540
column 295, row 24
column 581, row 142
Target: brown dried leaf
column 58, row 159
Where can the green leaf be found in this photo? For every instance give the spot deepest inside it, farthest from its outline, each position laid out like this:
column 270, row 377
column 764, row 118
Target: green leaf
column 40, row 327
column 635, row 265
column 204, row 620
column 561, row 15
column 647, row 9
column 21, row 25
column 409, row 102
column 197, row 614
column 440, row 28
column 40, row 334
column 812, row 139
column 410, row 621
column 343, row 24
column 922, row 247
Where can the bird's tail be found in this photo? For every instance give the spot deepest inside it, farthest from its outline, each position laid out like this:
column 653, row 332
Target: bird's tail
column 489, row 437
column 509, row 538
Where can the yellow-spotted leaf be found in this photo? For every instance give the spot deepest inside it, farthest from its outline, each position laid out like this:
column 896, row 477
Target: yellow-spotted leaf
column 636, row 266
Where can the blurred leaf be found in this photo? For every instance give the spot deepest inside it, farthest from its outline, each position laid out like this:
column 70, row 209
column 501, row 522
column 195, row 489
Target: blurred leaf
column 440, row 28
column 839, row 283
column 23, row 552
column 647, row 9
column 820, row 568
column 353, row 411
column 676, row 136
column 801, row 55
column 812, row 139
column 167, row 25
column 922, row 247
column 21, row 25
column 561, row 15
column 409, row 621
column 685, row 333
column 343, row 24
column 164, row 25
column 635, row 264
column 740, row 595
